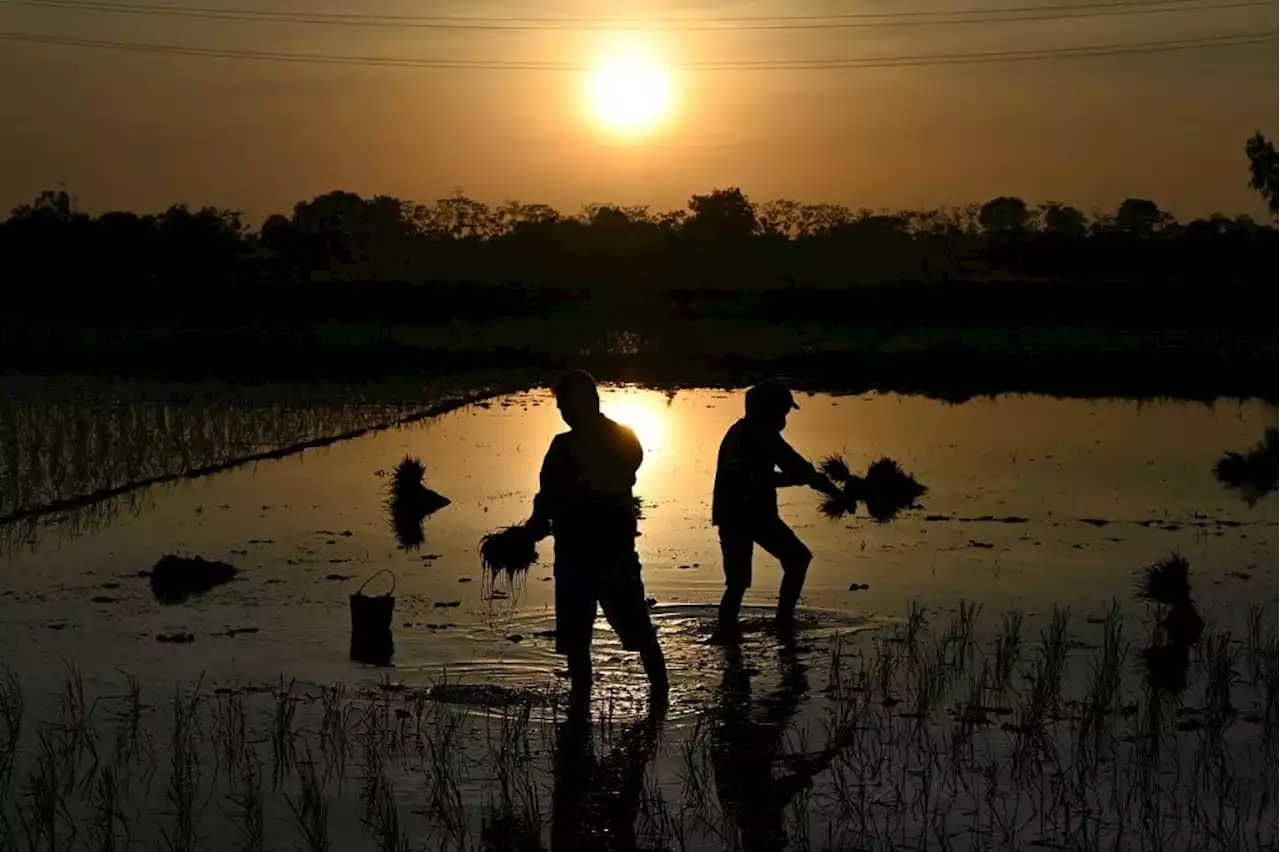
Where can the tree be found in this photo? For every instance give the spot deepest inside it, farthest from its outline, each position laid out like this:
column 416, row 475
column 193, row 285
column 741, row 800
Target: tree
column 1004, row 215
column 49, row 206
column 1140, row 217
column 781, row 218
column 329, row 224
column 459, row 217
column 1062, row 221
column 278, row 234
column 725, row 214
column 1263, row 164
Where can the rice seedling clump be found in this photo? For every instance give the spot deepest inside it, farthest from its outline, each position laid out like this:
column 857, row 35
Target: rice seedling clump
column 175, row 578
column 411, row 501
column 511, row 549
column 885, row 489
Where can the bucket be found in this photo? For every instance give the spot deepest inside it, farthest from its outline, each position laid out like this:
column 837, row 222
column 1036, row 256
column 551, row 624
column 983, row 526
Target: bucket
column 371, row 641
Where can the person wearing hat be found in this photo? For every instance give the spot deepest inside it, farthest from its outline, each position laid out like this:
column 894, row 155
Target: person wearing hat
column 585, row 501
column 754, row 462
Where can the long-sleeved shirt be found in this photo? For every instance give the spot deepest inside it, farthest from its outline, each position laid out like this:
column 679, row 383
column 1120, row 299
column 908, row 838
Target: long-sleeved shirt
column 585, row 486
column 747, row 476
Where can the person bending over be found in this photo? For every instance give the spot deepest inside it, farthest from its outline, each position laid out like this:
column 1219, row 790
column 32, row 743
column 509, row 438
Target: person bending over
column 754, row 461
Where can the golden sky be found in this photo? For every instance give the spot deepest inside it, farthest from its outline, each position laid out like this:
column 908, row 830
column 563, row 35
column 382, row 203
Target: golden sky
column 143, row 130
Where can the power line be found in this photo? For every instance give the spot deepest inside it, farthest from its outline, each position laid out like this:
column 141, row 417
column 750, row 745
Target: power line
column 848, row 20
column 1132, row 48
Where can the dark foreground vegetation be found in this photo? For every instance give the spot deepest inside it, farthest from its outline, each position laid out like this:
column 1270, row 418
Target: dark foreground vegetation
column 955, row 734
column 1171, row 307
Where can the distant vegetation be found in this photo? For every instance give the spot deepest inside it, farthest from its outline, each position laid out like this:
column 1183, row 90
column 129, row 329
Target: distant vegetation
column 418, row 263
column 988, row 298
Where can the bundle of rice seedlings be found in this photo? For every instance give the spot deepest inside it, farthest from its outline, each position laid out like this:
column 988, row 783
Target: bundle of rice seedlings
column 1252, row 473
column 174, row 578
column 408, row 474
column 1166, row 582
column 836, row 469
column 885, row 489
column 511, row 549
column 411, row 501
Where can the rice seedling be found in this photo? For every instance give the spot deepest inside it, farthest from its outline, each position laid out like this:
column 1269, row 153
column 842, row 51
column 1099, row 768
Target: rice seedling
column 373, row 773
column 309, row 808
column 1094, row 756
column 86, row 451
column 246, row 799
column 1220, row 659
column 512, row 550
column 1008, row 651
column 102, row 827
column 283, row 744
column 11, row 712
column 75, row 724
column 913, row 630
column 47, row 812
column 184, row 773
column 410, row 502
column 443, row 771
column 174, row 579
column 1252, row 473
column 335, row 724
column 509, row 754
column 885, row 489
column 1166, row 581
column 960, row 634
column 387, row 829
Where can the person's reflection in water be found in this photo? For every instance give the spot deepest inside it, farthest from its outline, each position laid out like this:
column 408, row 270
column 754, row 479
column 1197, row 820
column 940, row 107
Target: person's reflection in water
column 595, row 802
column 748, row 743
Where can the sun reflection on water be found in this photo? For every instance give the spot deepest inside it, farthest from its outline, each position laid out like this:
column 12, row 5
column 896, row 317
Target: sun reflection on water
column 644, row 412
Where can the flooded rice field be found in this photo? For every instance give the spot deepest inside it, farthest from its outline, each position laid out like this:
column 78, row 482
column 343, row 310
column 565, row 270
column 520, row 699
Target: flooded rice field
column 975, row 673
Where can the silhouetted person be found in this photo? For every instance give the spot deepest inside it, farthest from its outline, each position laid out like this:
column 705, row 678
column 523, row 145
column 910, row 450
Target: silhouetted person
column 595, row 803
column 754, row 462
column 585, row 501
column 748, row 742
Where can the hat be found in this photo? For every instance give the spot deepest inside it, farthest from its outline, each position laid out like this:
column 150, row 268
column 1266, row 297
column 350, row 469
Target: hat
column 770, row 395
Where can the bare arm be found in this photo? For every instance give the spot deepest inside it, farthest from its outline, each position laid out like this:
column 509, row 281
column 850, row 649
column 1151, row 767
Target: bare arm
column 796, row 470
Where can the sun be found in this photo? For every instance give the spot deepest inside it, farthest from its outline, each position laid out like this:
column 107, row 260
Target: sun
column 630, row 94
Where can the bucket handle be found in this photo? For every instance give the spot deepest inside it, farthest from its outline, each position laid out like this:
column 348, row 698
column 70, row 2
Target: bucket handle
column 378, row 574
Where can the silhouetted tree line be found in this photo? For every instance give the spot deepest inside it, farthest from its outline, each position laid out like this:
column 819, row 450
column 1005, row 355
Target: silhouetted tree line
column 341, row 256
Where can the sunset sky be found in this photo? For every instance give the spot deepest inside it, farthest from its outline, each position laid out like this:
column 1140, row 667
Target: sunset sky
column 141, row 130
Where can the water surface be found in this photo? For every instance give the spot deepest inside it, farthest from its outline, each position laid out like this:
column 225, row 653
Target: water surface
column 1033, row 502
